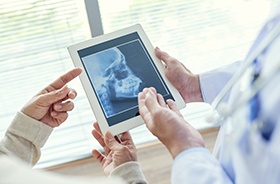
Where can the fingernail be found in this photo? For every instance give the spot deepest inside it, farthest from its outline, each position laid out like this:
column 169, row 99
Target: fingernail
column 145, row 90
column 58, row 107
column 54, row 113
column 109, row 135
column 72, row 95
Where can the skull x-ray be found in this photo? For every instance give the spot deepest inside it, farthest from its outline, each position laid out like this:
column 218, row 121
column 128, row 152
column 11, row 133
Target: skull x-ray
column 113, row 80
column 118, row 79
column 118, row 74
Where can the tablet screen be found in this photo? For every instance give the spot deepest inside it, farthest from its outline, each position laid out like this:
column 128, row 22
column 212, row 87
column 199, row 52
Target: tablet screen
column 118, row 70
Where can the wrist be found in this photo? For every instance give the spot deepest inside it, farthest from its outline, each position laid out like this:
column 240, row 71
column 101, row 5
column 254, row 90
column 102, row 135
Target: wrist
column 191, row 91
column 186, row 141
column 178, row 149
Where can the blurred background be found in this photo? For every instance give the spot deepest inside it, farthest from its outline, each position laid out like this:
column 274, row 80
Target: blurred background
column 35, row 34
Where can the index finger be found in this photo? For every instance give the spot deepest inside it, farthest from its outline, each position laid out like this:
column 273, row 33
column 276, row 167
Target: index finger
column 65, row 78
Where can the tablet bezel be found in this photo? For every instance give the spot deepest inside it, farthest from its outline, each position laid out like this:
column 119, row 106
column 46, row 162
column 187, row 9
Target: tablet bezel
column 93, row 99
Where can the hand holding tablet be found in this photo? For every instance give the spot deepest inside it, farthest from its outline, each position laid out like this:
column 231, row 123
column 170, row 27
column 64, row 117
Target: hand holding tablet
column 117, row 66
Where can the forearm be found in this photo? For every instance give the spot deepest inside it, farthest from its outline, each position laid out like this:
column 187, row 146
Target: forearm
column 24, row 139
column 129, row 172
column 198, row 166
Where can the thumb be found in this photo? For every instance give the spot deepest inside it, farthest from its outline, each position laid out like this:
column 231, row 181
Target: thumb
column 163, row 56
column 151, row 102
column 111, row 142
column 53, row 96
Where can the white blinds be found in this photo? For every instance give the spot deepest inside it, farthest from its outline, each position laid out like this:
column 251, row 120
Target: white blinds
column 202, row 34
column 34, row 35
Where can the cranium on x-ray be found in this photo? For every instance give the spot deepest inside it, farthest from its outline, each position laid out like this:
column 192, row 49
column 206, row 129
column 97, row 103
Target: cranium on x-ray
column 121, row 82
column 117, row 82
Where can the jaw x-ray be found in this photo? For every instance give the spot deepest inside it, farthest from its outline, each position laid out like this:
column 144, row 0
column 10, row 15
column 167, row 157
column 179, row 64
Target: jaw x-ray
column 114, row 82
column 117, row 74
column 119, row 81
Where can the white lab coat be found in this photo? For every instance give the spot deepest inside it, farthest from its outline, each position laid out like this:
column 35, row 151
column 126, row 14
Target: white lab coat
column 242, row 154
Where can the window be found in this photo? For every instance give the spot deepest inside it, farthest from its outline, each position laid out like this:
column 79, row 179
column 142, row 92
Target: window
column 35, row 33
column 201, row 34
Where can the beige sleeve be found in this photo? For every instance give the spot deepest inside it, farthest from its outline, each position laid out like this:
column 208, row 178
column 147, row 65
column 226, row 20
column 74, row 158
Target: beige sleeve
column 12, row 171
column 21, row 144
column 24, row 138
column 129, row 172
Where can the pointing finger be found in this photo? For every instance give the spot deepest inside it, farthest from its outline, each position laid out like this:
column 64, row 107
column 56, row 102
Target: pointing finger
column 64, row 79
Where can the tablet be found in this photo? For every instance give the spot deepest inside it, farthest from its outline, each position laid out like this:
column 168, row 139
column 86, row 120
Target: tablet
column 117, row 66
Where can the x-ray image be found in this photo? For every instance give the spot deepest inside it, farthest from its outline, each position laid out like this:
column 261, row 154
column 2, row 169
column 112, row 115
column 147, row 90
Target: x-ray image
column 121, row 82
column 118, row 74
column 114, row 81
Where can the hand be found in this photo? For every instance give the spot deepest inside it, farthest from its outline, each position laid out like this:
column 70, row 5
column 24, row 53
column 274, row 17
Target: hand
column 50, row 106
column 166, row 123
column 117, row 150
column 181, row 78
